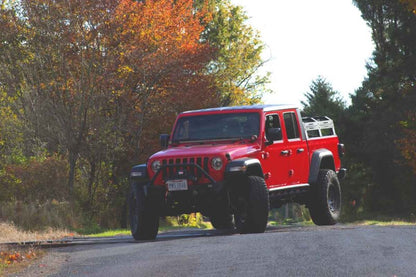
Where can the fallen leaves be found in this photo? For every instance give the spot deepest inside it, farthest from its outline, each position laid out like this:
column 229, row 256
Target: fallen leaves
column 10, row 257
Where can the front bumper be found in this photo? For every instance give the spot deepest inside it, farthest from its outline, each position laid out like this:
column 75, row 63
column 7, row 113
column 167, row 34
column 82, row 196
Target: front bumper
column 200, row 196
column 193, row 173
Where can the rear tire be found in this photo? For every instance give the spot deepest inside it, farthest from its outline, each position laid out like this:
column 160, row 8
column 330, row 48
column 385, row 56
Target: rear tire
column 325, row 202
column 144, row 219
column 253, row 219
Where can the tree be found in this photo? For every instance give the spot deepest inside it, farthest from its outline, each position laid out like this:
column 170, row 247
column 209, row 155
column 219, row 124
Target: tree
column 161, row 64
column 385, row 99
column 322, row 100
column 65, row 80
column 235, row 67
column 407, row 144
column 95, row 82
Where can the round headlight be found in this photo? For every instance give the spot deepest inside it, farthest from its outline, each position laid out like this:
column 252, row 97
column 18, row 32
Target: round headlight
column 216, row 163
column 156, row 166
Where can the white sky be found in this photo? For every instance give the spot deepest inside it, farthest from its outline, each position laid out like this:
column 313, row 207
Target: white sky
column 305, row 39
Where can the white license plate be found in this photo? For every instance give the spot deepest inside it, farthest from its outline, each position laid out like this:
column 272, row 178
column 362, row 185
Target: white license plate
column 175, row 185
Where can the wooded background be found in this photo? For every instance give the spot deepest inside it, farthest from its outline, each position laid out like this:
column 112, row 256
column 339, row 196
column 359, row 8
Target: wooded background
column 87, row 86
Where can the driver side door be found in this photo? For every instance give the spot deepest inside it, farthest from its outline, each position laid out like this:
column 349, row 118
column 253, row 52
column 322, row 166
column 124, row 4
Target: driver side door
column 275, row 163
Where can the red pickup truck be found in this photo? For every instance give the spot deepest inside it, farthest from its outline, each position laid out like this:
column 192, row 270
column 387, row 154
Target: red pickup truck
column 233, row 164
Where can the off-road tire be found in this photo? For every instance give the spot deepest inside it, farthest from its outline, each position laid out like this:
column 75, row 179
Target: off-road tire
column 144, row 219
column 254, row 218
column 220, row 216
column 325, row 201
column 221, row 220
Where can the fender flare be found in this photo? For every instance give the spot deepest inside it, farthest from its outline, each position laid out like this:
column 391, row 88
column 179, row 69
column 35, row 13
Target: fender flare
column 139, row 173
column 321, row 158
column 244, row 166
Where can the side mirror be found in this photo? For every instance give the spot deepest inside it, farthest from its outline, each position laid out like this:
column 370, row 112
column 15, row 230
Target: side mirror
column 274, row 134
column 164, row 141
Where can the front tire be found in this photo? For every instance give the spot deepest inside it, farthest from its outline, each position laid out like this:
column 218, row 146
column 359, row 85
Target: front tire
column 325, row 202
column 221, row 220
column 144, row 219
column 253, row 218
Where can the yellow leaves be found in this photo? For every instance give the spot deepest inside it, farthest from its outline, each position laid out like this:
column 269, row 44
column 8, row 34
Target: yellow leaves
column 125, row 71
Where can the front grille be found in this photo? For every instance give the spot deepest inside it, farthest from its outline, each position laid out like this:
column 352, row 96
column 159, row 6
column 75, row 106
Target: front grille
column 184, row 165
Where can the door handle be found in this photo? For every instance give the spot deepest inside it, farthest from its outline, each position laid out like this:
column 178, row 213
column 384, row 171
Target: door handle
column 300, row 150
column 285, row 153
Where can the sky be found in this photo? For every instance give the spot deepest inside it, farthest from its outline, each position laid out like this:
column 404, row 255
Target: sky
column 305, row 39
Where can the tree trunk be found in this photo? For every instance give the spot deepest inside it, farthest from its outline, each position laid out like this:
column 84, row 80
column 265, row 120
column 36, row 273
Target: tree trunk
column 91, row 180
column 71, row 177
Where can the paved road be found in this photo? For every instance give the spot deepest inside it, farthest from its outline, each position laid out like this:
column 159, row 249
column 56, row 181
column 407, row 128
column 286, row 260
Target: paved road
column 287, row 251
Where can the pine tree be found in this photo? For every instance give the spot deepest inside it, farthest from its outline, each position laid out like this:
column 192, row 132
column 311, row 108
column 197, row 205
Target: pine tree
column 322, row 99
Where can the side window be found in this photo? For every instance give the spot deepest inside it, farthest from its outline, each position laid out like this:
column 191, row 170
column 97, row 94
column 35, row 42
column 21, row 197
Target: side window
column 273, row 130
column 291, row 124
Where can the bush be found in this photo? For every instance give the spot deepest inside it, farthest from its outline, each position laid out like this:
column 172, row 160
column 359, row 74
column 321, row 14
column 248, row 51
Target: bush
column 35, row 180
column 39, row 216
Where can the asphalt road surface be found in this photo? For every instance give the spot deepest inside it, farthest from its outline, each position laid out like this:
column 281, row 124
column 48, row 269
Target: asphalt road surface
column 339, row 250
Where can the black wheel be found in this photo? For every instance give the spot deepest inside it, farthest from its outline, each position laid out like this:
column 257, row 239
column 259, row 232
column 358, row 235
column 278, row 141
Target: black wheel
column 325, row 202
column 253, row 217
column 144, row 219
column 221, row 220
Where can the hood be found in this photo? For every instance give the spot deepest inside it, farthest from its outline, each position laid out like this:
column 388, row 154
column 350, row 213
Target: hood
column 208, row 150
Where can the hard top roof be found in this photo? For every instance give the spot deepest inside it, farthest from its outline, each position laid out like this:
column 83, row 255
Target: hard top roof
column 264, row 108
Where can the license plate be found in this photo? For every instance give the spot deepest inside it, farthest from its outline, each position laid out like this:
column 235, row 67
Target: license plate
column 175, row 185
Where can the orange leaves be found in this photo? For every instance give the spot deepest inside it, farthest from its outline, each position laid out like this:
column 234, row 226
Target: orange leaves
column 163, row 26
column 8, row 258
column 160, row 50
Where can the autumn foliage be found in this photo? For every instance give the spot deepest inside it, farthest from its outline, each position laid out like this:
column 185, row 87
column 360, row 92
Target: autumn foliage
column 87, row 86
column 161, row 61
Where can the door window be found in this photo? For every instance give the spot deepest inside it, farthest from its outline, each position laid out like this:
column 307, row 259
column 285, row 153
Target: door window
column 273, row 130
column 291, row 124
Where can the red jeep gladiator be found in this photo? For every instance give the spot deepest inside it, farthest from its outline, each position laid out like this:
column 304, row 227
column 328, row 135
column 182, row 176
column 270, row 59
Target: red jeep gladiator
column 233, row 164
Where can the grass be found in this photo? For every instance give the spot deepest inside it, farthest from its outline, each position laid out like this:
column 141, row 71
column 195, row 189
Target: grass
column 163, row 227
column 290, row 222
column 383, row 223
column 15, row 259
column 10, row 233
column 110, row 233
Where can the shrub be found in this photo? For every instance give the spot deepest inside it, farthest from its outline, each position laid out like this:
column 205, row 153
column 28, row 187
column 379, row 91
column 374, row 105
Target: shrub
column 39, row 216
column 34, row 180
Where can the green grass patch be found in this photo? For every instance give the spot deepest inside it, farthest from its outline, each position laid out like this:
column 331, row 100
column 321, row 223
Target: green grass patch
column 111, row 233
column 169, row 223
column 164, row 228
column 383, row 223
column 289, row 221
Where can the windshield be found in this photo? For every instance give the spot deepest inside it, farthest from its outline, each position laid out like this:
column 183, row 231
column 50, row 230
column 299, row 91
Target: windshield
column 216, row 126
